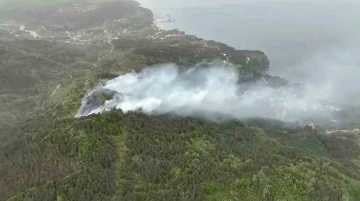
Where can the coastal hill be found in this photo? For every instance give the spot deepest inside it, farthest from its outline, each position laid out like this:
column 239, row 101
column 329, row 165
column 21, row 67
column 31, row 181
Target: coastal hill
column 53, row 54
column 42, row 45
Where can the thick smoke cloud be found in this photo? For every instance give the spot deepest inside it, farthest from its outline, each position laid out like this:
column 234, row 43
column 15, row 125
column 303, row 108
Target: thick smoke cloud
column 310, row 42
column 210, row 92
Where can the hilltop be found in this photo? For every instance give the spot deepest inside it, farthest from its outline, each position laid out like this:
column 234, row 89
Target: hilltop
column 52, row 55
column 55, row 44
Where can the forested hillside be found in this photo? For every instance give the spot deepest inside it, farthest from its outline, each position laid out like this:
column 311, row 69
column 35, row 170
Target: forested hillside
column 116, row 156
column 48, row 154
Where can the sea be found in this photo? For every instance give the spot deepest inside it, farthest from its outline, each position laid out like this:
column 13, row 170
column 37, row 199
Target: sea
column 312, row 41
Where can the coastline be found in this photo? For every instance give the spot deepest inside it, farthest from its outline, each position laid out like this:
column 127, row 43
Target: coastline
column 128, row 42
column 47, row 154
column 113, row 45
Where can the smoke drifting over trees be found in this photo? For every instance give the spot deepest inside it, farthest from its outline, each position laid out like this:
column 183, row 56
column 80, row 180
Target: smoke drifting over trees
column 209, row 92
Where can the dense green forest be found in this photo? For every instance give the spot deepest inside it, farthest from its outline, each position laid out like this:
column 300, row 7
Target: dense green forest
column 116, row 156
column 47, row 154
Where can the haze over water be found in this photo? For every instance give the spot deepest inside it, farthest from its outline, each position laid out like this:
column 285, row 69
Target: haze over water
column 316, row 42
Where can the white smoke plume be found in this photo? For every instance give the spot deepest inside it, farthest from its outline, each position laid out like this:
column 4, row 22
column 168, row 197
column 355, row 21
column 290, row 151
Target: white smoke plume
column 208, row 92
